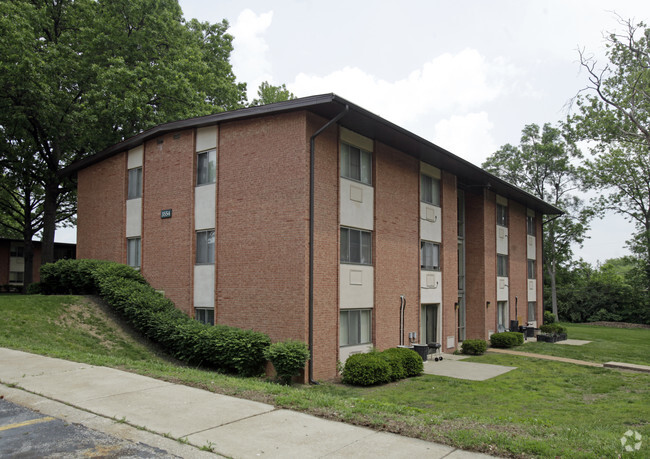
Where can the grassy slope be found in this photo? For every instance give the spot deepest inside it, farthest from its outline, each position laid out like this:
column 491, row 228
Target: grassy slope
column 543, row 408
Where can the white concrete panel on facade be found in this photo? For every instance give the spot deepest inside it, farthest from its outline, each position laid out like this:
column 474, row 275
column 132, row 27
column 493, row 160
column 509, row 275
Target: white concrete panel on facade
column 430, row 170
column 531, row 245
column 450, row 342
column 204, row 286
column 357, row 204
column 532, row 290
column 347, row 351
column 430, row 222
column 501, row 200
column 502, row 289
column 430, row 287
column 135, row 157
column 134, row 217
column 205, row 209
column 359, row 141
column 502, row 240
column 206, row 138
column 356, row 284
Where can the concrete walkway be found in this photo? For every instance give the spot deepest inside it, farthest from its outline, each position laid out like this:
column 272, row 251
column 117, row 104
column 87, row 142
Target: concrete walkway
column 158, row 413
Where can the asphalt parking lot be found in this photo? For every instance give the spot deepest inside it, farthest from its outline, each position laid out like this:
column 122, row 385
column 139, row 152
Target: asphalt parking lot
column 27, row 434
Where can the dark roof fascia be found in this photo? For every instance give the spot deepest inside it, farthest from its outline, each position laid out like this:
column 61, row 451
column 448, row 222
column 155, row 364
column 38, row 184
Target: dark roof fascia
column 357, row 119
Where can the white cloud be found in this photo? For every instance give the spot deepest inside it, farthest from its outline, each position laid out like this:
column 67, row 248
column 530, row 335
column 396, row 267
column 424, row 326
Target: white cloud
column 450, row 82
column 250, row 56
column 467, row 136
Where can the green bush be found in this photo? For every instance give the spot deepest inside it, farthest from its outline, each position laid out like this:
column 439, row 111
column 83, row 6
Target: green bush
column 366, row 370
column 411, row 360
column 125, row 290
column 34, row 289
column 474, row 346
column 288, row 358
column 552, row 329
column 507, row 339
column 549, row 318
column 395, row 361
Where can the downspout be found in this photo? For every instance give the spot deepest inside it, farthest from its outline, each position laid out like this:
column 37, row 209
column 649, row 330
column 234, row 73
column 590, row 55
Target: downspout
column 312, row 143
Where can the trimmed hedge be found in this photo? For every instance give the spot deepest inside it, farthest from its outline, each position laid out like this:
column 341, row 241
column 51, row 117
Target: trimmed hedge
column 474, row 346
column 288, row 358
column 507, row 339
column 549, row 317
column 125, row 290
column 382, row 367
column 552, row 329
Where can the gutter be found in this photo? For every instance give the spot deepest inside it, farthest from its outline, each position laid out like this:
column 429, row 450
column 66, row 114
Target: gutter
column 312, row 145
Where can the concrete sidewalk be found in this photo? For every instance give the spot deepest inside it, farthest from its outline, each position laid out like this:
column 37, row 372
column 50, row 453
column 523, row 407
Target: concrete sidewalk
column 155, row 412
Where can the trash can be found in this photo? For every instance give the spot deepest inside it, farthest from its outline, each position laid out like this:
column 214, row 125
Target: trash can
column 514, row 325
column 423, row 350
column 530, row 332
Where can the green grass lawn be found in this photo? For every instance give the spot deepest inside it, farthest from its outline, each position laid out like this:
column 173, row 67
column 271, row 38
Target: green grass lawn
column 541, row 409
column 607, row 344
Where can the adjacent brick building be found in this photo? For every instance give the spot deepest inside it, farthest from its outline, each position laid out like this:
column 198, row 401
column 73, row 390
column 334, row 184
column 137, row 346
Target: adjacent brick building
column 316, row 220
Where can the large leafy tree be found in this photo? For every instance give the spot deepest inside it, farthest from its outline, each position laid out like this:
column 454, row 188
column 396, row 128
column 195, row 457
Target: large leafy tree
column 79, row 75
column 542, row 164
column 269, row 94
column 613, row 113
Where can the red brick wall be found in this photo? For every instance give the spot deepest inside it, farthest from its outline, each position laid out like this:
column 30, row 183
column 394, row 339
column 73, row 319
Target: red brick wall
column 449, row 259
column 262, row 221
column 326, row 248
column 396, row 245
column 168, row 244
column 101, row 210
column 518, row 260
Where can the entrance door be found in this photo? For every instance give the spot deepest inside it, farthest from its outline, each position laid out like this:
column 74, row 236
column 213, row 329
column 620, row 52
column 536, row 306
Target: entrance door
column 430, row 323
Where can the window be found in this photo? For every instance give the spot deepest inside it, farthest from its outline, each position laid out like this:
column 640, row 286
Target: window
column 206, row 167
column 502, row 215
column 530, row 225
column 133, row 252
column 356, row 246
column 429, row 190
column 205, row 247
column 356, row 164
column 17, row 251
column 135, row 183
column 461, row 213
column 356, row 326
column 429, row 256
column 16, row 277
column 502, row 314
column 204, row 315
column 532, row 305
column 502, row 265
column 531, row 269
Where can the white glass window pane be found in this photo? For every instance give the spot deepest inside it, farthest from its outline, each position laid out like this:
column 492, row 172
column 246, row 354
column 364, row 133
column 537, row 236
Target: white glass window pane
column 212, row 166
column 344, row 329
column 355, row 163
column 355, row 246
column 345, row 160
column 354, row 330
column 366, row 167
column 201, row 247
column 435, row 192
column 135, row 183
column 366, row 248
column 345, row 245
column 435, row 256
column 366, row 327
column 210, row 246
column 531, row 311
column 425, row 188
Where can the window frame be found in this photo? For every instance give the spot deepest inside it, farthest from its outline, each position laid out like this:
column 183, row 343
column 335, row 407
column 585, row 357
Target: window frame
column 207, row 256
column 18, row 277
column 503, row 312
column 359, row 333
column 206, row 176
column 502, row 265
column 134, row 189
column 138, row 252
column 436, row 252
column 531, row 225
column 346, row 246
column 532, row 307
column 205, row 315
column 349, row 169
column 531, row 265
column 427, row 194
column 502, row 215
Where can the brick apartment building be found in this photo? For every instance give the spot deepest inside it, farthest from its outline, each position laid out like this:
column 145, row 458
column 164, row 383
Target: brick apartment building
column 12, row 263
column 316, row 220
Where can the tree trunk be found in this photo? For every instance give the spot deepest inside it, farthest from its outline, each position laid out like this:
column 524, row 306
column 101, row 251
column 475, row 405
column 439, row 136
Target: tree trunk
column 551, row 274
column 49, row 220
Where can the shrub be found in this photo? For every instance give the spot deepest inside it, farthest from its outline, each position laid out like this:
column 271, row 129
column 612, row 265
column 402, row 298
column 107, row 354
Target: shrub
column 288, row 358
column 552, row 329
column 549, row 318
column 411, row 360
column 125, row 290
column 474, row 346
column 395, row 361
column 34, row 289
column 366, row 370
column 507, row 339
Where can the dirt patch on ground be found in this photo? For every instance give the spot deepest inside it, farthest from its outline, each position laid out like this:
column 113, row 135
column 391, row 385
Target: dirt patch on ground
column 617, row 324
